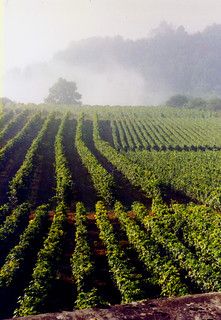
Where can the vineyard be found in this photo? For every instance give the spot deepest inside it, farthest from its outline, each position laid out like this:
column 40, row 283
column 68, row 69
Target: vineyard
column 107, row 205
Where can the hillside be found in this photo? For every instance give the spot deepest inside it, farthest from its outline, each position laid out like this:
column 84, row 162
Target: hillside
column 107, row 205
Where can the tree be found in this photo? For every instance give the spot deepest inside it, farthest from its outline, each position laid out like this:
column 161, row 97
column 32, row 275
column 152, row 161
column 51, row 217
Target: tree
column 214, row 104
column 63, row 92
column 4, row 101
column 177, row 100
column 197, row 103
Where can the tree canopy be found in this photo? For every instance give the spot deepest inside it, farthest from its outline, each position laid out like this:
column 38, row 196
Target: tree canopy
column 182, row 101
column 4, row 101
column 178, row 100
column 63, row 92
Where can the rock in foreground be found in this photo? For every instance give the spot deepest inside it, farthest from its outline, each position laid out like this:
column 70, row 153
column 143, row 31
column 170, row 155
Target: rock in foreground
column 197, row 307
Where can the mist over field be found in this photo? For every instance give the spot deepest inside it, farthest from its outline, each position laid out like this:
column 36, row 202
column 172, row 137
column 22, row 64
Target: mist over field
column 115, row 70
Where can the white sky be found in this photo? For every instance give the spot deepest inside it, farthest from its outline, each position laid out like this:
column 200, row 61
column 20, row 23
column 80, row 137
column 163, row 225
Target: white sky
column 35, row 29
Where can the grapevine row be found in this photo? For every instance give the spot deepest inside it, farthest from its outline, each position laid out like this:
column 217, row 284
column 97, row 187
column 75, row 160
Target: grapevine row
column 134, row 173
column 15, row 221
column 10, row 146
column 161, row 134
column 126, row 279
column 64, row 182
column 201, row 230
column 36, row 294
column 16, row 257
column 20, row 183
column 163, row 272
column 102, row 180
column 177, row 169
column 13, row 122
column 4, row 211
column 82, row 264
column 198, row 271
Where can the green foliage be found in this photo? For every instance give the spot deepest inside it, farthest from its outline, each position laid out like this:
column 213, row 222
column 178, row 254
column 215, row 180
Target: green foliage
column 127, row 281
column 64, row 182
column 201, row 230
column 163, row 271
column 140, row 210
column 214, row 198
column 197, row 103
column 162, row 130
column 12, row 222
column 177, row 244
column 102, row 180
column 20, row 183
column 137, row 176
column 82, row 267
column 13, row 122
column 88, row 299
column 214, row 104
column 115, row 136
column 63, row 92
column 195, row 174
column 178, row 100
column 35, row 295
column 82, row 264
column 160, row 227
column 4, row 211
column 15, row 259
column 9, row 147
column 5, row 102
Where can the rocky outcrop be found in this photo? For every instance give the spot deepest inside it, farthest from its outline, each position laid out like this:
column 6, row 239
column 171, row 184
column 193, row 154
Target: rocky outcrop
column 197, row 307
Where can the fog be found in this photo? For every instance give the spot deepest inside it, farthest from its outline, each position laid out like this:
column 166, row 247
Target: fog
column 127, row 55
column 116, row 85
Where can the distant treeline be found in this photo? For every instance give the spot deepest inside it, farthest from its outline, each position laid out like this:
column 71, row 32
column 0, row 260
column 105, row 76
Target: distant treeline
column 171, row 61
column 183, row 101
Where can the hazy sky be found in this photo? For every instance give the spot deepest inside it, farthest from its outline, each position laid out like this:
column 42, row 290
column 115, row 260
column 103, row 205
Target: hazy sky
column 35, row 29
